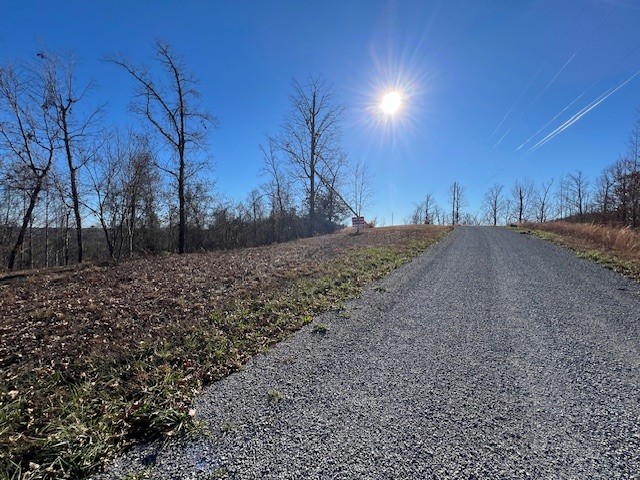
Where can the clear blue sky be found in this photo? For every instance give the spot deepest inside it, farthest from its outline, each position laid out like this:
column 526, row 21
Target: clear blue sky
column 462, row 64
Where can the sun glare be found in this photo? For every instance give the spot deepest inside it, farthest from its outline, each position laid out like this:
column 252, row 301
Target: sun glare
column 391, row 103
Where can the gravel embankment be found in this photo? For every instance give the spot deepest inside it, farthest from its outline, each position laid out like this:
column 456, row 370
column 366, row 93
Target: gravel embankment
column 494, row 355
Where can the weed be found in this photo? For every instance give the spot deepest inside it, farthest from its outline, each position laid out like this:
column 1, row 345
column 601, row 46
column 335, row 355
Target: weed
column 321, row 328
column 275, row 395
column 142, row 474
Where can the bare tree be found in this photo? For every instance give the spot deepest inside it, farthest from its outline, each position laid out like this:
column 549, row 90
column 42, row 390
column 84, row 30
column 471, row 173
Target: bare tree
column 542, row 200
column 278, row 189
column 172, row 108
column 456, row 195
column 605, row 193
column 123, row 178
column 74, row 125
column 332, row 180
column 632, row 180
column 563, row 209
column 311, row 134
column 522, row 195
column 361, row 187
column 493, row 203
column 29, row 138
column 277, row 186
column 429, row 208
column 578, row 193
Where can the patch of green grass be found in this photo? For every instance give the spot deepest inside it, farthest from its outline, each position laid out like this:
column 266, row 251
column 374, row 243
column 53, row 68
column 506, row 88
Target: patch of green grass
column 607, row 260
column 320, row 328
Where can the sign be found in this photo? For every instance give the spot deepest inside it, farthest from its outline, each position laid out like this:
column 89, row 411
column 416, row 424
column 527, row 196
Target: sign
column 358, row 222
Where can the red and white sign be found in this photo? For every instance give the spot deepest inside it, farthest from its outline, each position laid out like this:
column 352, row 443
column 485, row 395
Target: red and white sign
column 358, row 222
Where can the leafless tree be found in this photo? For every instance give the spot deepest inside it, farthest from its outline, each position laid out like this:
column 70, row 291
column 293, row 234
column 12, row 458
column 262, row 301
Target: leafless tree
column 563, row 209
column 542, row 199
column 278, row 186
column 361, row 192
column 578, row 193
column 507, row 211
column 632, row 176
column 29, row 137
column 429, row 207
column 171, row 106
column 493, row 203
column 279, row 189
column 522, row 196
column 75, row 125
column 439, row 216
column 605, row 193
column 310, row 136
column 425, row 212
column 332, row 181
column 456, row 196
column 124, row 182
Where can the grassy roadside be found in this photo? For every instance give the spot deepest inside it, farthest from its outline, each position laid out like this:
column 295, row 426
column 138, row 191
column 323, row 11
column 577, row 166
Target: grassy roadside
column 615, row 248
column 64, row 416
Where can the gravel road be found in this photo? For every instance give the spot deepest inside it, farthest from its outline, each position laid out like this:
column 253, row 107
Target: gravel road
column 494, row 355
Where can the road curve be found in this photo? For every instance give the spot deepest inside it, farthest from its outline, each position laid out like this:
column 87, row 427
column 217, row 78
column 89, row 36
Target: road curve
column 494, row 355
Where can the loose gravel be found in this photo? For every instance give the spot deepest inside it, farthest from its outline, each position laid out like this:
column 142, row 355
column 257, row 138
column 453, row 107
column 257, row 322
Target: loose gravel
column 494, row 355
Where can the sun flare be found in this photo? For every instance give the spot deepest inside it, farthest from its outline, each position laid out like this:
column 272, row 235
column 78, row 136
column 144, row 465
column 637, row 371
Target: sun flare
column 391, row 102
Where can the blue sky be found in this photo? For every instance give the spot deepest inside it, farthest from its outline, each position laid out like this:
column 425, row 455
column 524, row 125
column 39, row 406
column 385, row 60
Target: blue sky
column 480, row 78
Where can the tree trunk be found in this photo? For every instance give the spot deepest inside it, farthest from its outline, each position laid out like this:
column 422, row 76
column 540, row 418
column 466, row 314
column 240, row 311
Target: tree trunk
column 75, row 197
column 182, row 227
column 33, row 198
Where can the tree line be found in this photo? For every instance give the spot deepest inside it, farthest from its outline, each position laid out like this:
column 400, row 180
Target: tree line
column 73, row 188
column 612, row 198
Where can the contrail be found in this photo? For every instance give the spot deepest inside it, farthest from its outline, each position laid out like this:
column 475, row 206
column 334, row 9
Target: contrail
column 502, row 138
column 631, row 52
column 575, row 21
column 518, row 100
column 581, row 114
column 556, row 116
column 552, row 81
column 591, row 35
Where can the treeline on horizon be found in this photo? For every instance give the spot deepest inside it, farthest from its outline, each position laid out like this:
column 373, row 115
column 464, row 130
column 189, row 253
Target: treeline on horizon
column 612, row 198
column 73, row 188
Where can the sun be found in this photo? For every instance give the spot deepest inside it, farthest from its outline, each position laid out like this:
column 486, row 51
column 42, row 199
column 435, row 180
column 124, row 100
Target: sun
column 391, row 102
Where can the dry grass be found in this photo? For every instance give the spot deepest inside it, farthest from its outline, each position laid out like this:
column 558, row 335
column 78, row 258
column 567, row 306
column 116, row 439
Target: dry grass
column 617, row 248
column 95, row 358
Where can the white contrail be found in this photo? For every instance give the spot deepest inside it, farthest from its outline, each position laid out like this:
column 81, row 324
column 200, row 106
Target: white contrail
column 502, row 138
column 575, row 21
column 552, row 81
column 556, row 116
column 581, row 114
column 518, row 99
column 631, row 52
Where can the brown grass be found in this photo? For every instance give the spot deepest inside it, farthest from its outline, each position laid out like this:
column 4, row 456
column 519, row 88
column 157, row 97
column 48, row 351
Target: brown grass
column 94, row 358
column 617, row 248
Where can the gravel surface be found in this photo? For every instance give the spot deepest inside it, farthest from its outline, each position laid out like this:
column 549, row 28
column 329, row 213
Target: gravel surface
column 494, row 355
